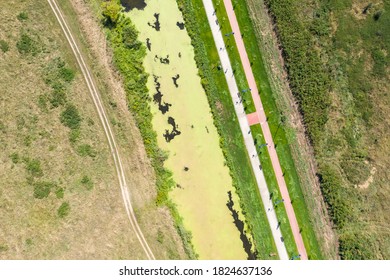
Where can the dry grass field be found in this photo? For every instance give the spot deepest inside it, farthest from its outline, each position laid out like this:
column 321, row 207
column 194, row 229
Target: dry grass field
column 59, row 196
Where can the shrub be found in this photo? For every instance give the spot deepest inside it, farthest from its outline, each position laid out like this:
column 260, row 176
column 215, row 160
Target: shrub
column 42, row 102
column 160, row 236
column 86, row 150
column 87, row 182
column 67, row 74
column 4, row 46
column 57, row 75
column 63, row 210
column 22, row 16
column 29, row 242
column 60, row 193
column 33, row 166
column 377, row 15
column 309, row 78
column 57, row 98
column 3, row 248
column 70, row 117
column 27, row 140
column 354, row 246
column 15, row 158
column 26, row 45
column 111, row 12
column 380, row 62
column 43, row 189
column 331, row 187
column 129, row 35
column 74, row 135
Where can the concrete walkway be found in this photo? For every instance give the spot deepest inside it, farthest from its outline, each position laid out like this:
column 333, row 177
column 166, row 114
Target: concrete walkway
column 245, row 129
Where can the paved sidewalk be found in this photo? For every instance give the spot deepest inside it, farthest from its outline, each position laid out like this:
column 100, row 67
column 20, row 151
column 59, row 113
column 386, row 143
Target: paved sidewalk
column 253, row 118
column 245, row 129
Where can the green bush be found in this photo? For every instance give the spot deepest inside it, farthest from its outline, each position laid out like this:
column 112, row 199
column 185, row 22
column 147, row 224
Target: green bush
column 43, row 189
column 74, row 135
column 63, row 210
column 33, row 166
column 4, row 46
column 87, row 182
column 111, row 12
column 340, row 209
column 58, row 96
column 58, row 77
column 86, row 150
column 15, row 158
column 130, row 37
column 22, row 16
column 67, row 74
column 26, row 45
column 60, row 193
column 42, row 102
column 380, row 62
column 70, row 117
column 160, row 236
column 354, row 246
column 3, row 248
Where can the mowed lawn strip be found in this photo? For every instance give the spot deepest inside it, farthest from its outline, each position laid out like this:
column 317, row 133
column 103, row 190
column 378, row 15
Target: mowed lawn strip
column 276, row 124
column 225, row 119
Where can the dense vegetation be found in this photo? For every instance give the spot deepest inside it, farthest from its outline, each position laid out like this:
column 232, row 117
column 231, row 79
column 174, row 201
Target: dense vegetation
column 336, row 55
column 122, row 36
column 308, row 80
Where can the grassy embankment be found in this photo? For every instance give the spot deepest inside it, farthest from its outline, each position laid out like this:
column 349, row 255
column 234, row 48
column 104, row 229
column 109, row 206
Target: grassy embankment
column 276, row 121
column 214, row 82
column 336, row 54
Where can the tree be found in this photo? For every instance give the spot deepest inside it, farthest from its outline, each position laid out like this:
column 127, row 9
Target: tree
column 130, row 35
column 111, row 11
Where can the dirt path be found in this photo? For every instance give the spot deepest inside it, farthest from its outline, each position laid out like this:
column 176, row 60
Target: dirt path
column 106, row 126
column 266, row 131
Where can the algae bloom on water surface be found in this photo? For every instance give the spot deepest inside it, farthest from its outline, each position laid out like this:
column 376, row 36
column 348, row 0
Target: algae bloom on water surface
column 204, row 196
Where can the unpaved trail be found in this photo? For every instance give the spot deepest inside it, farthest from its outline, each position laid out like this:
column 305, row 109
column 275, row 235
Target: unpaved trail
column 106, row 126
